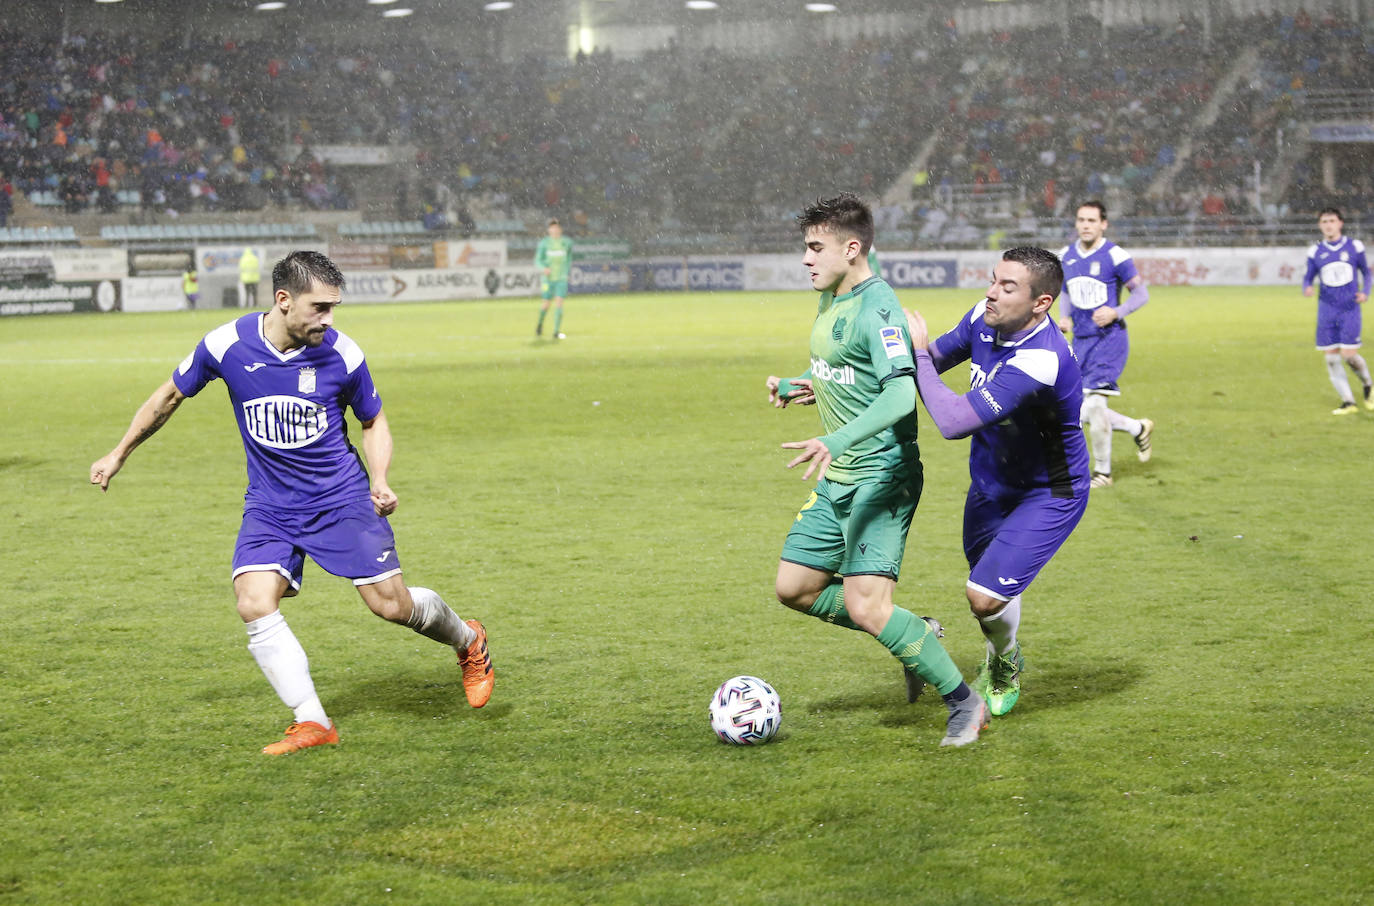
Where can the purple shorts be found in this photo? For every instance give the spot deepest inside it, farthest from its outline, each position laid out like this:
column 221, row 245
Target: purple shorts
column 350, row 541
column 1102, row 358
column 1008, row 542
column 1338, row 327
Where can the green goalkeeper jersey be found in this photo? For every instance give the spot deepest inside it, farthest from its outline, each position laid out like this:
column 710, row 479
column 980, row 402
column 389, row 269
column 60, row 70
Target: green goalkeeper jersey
column 858, row 343
column 556, row 255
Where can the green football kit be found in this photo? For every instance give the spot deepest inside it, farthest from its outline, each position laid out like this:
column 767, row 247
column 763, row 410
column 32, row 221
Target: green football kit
column 856, row 521
column 556, row 255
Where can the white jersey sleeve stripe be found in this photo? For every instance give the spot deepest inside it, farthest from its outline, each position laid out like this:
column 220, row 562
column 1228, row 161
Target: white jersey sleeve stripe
column 1040, row 364
column 349, row 351
column 218, row 341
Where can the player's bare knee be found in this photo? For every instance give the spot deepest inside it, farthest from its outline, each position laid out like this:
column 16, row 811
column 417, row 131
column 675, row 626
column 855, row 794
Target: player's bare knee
column 254, row 607
column 795, row 598
column 983, row 605
column 389, row 608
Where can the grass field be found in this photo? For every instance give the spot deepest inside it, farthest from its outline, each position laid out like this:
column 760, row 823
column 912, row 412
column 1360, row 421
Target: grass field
column 1194, row 726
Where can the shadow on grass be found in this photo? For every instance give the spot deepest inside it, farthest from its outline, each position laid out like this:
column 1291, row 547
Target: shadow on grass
column 1056, row 686
column 401, row 693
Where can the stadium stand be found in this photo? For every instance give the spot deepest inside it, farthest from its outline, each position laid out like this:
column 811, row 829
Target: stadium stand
column 63, row 235
column 965, row 140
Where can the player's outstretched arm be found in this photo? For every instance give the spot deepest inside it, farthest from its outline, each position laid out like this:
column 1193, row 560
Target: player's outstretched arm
column 377, row 448
column 153, row 414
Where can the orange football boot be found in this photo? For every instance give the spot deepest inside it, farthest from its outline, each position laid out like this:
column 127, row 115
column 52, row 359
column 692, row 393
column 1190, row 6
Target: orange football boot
column 303, row 736
column 478, row 677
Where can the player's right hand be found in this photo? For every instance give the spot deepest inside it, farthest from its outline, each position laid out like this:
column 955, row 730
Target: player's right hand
column 798, row 392
column 105, row 468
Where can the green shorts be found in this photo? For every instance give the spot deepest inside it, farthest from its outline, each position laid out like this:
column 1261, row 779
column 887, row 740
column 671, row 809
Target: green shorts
column 855, row 529
column 553, row 289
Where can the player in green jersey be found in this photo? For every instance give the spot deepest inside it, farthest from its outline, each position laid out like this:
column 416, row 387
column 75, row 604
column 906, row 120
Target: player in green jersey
column 842, row 557
column 554, row 258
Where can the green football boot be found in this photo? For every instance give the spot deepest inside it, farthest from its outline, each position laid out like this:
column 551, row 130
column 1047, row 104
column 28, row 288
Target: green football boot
column 1004, row 681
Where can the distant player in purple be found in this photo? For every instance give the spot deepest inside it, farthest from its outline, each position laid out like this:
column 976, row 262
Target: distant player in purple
column 1340, row 264
column 1096, row 270
column 290, row 376
column 1028, row 463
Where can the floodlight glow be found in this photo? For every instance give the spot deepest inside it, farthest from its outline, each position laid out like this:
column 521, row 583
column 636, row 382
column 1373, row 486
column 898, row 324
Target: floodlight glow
column 380, row 2
column 397, row 13
column 271, row 4
column 820, row 7
column 702, row 4
column 497, row 5
column 109, row 1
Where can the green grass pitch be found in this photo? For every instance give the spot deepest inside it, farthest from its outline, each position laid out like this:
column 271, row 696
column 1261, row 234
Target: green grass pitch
column 1194, row 726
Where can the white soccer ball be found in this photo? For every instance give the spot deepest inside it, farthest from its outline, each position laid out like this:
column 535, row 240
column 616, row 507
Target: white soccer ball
column 745, row 711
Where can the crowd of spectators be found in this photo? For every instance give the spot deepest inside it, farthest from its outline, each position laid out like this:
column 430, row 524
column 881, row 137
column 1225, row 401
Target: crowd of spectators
column 92, row 121
column 673, row 139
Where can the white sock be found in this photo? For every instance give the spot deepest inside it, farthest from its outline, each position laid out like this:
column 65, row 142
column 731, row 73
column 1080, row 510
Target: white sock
column 434, row 619
column 1000, row 628
column 1357, row 365
column 1338, row 379
column 1099, row 431
column 1124, row 422
column 283, row 661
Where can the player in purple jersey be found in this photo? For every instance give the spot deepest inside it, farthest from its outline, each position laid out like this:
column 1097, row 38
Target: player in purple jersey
column 1028, row 463
column 1340, row 264
column 1095, row 272
column 290, row 376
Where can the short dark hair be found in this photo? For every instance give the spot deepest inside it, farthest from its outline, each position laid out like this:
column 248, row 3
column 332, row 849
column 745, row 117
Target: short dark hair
column 1324, row 211
column 1094, row 203
column 1047, row 274
column 844, row 215
column 553, row 221
column 299, row 270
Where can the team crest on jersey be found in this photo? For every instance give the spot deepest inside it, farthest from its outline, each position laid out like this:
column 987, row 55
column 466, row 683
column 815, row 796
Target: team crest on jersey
column 305, row 380
column 893, row 341
column 1096, row 268
column 838, row 330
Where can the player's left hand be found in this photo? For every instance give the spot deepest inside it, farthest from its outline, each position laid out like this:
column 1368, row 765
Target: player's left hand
column 813, row 451
column 916, row 326
column 383, row 499
column 1104, row 316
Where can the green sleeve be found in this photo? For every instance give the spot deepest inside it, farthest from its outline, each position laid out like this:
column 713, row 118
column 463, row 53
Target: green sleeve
column 894, row 403
column 785, row 385
column 541, row 253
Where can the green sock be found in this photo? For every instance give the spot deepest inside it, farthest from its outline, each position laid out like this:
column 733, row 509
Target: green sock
column 542, row 313
column 558, row 320
column 910, row 640
column 830, row 607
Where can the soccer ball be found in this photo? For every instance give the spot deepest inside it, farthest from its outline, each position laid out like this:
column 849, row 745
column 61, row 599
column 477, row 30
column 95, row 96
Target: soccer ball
column 745, row 711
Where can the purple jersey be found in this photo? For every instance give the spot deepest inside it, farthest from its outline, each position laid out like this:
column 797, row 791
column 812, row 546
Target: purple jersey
column 1028, row 394
column 290, row 410
column 1093, row 280
column 1341, row 266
